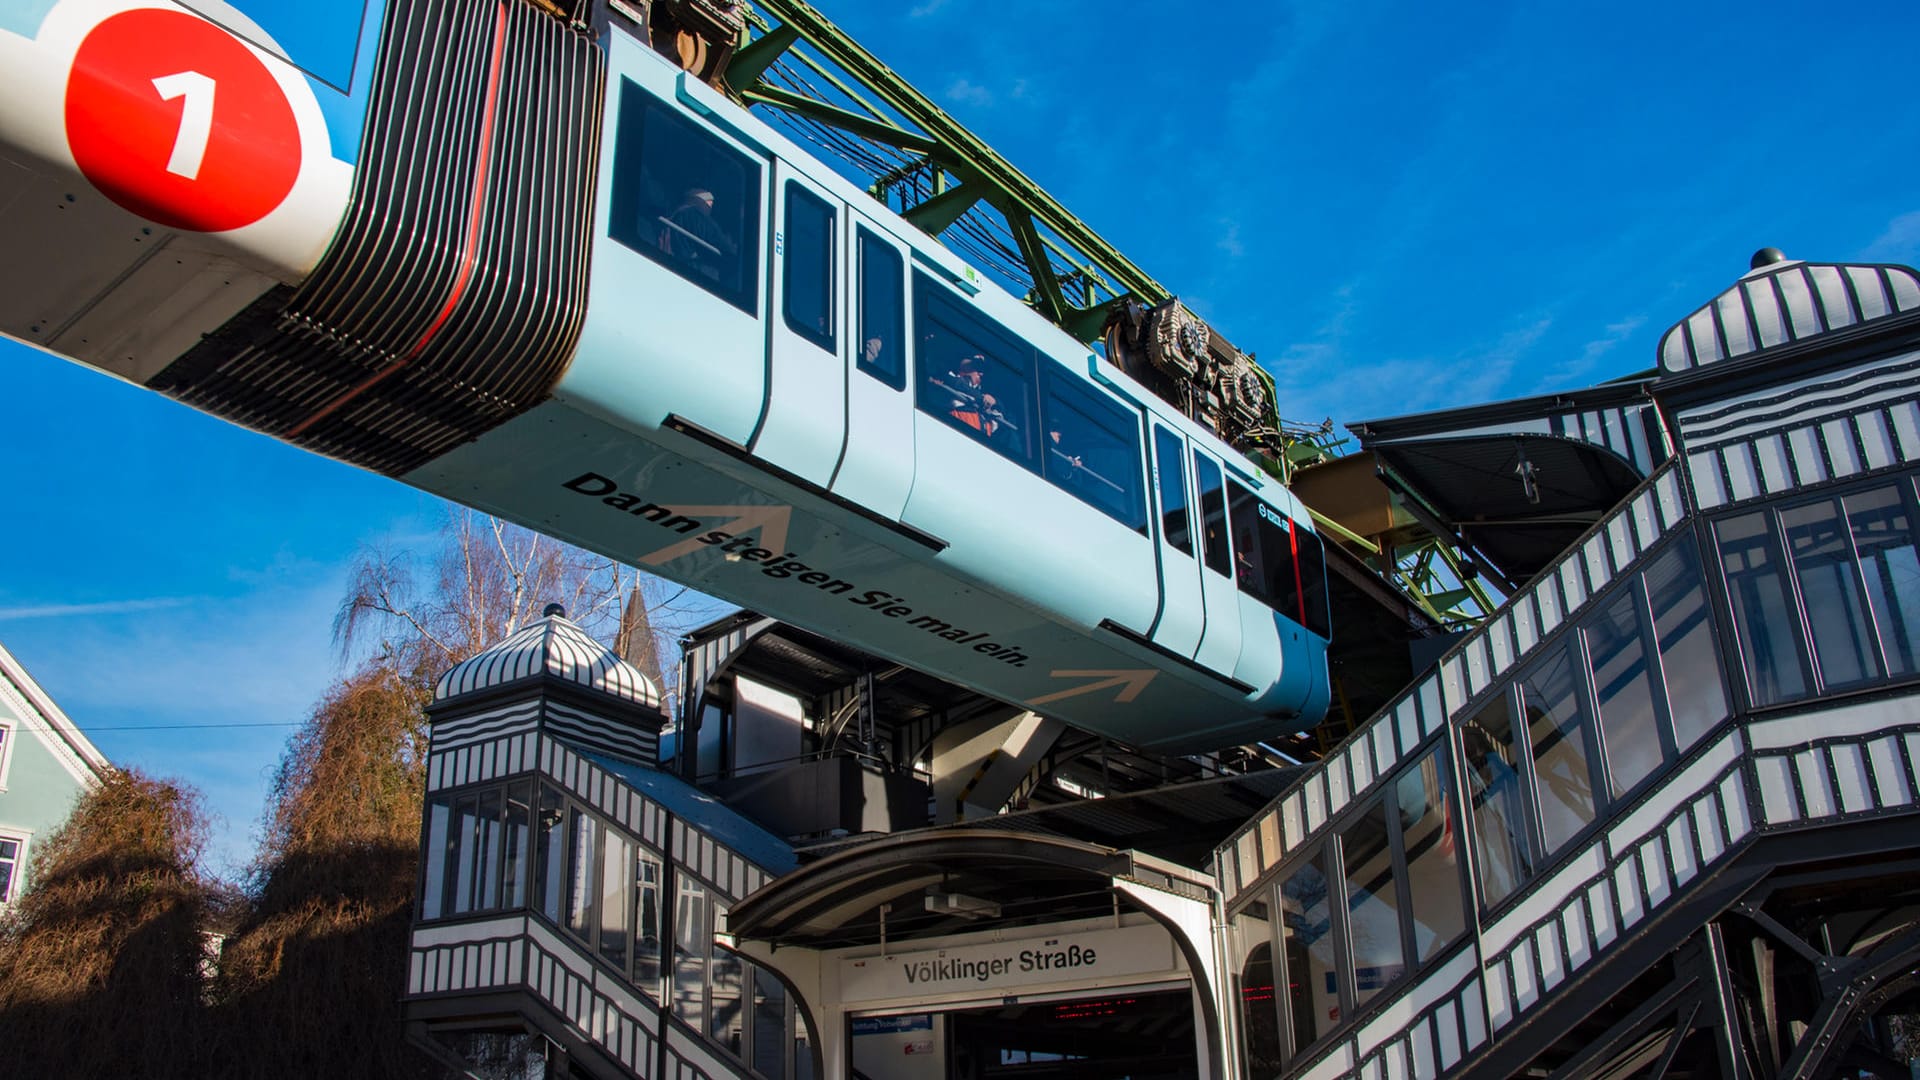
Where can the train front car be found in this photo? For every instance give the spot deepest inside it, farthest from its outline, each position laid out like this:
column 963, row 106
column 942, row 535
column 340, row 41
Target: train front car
column 578, row 288
column 162, row 167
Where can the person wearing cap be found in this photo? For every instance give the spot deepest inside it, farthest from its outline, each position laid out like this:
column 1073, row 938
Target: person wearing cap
column 972, row 405
column 691, row 236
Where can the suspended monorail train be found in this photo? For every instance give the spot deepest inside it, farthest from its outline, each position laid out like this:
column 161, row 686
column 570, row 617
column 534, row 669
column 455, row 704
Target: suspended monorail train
column 543, row 272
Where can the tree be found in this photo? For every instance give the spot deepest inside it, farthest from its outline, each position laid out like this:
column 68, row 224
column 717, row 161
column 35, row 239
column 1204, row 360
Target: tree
column 309, row 979
column 102, row 965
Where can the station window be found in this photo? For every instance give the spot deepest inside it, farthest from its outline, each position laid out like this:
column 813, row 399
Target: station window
column 686, row 200
column 1092, row 450
column 1307, row 946
column 1259, row 1019
column 1563, row 756
column 1375, row 903
column 1175, row 523
column 646, row 922
column 478, row 852
column 1496, row 801
column 1825, row 592
column 882, row 349
column 1213, row 515
column 1422, row 799
column 692, row 940
column 974, row 376
column 807, row 269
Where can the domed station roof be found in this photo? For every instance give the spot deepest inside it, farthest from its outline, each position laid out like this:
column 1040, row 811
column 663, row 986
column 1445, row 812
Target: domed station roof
column 552, row 647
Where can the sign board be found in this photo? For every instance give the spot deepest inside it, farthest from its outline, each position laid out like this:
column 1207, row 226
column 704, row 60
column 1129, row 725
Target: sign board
column 996, row 968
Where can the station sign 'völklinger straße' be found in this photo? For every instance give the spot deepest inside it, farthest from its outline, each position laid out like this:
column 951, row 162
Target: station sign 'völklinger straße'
column 995, row 967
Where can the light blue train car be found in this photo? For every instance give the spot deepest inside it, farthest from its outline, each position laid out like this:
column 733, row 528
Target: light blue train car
column 564, row 282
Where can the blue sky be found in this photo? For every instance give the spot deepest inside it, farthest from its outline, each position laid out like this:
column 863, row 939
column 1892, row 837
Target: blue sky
column 1398, row 206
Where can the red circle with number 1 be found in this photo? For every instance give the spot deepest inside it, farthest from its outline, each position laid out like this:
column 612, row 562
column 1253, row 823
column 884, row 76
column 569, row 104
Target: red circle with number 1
column 177, row 121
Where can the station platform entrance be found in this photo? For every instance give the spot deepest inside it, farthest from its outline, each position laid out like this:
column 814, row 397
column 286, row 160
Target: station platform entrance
column 1145, row 1034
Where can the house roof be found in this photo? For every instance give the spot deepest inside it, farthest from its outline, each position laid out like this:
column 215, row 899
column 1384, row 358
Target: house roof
column 46, row 722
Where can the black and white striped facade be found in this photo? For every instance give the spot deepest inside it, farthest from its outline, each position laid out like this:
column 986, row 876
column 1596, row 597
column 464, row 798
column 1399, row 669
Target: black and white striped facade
column 1816, row 385
column 553, row 709
column 550, row 676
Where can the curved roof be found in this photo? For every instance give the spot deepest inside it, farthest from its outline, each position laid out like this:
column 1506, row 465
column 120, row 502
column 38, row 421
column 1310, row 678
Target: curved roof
column 1783, row 303
column 551, row 647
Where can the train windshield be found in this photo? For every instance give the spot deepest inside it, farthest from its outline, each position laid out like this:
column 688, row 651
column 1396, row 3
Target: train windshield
column 1278, row 562
column 686, row 200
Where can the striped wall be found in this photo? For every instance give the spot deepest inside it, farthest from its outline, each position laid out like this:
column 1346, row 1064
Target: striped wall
column 586, row 729
column 521, row 954
column 1509, row 638
column 1826, row 427
column 1632, row 431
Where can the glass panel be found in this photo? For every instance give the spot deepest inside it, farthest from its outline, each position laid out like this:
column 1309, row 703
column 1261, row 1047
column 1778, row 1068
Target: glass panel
column 1763, row 616
column 519, row 835
column 1092, row 450
column 691, row 941
column 686, row 200
column 551, row 860
column 974, row 376
column 808, row 267
column 1624, row 693
column 1175, row 524
column 465, row 855
column 1562, row 748
column 769, row 1036
column 729, row 1018
column 1213, row 515
column 1843, row 643
column 1373, row 904
column 883, row 312
column 1263, row 552
column 1259, row 1019
column 1315, row 611
column 1313, row 988
column 1890, row 562
column 488, row 851
column 580, row 874
column 616, row 855
column 802, row 1046
column 1498, row 802
column 1696, row 696
column 646, row 922
column 433, row 879
column 1433, row 861
column 9, row 868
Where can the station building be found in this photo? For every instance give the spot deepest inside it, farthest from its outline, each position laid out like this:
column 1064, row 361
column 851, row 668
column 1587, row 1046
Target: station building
column 1654, row 816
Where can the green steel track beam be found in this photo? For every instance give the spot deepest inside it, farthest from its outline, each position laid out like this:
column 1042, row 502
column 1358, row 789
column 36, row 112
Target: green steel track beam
column 984, row 176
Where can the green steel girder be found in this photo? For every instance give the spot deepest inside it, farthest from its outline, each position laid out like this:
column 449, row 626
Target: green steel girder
column 926, row 129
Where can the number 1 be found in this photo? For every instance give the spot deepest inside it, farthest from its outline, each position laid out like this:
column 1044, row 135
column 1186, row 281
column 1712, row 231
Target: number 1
column 196, row 119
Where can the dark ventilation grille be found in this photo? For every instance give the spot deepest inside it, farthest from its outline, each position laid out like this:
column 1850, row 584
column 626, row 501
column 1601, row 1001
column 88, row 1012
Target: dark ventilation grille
column 436, row 315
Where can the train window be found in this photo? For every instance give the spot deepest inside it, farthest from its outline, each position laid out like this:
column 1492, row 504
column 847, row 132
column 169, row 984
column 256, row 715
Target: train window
column 808, row 268
column 1313, row 584
column 1263, row 561
column 1174, row 522
column 975, row 376
column 883, row 313
column 1092, row 449
column 686, row 200
column 1213, row 516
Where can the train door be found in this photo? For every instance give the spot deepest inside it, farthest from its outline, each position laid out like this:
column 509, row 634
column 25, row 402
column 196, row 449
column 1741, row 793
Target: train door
column 804, row 425
column 876, row 466
column 1220, row 640
column 1182, row 609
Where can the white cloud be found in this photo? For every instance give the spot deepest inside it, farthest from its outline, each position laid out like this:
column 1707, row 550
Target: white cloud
column 104, row 607
column 1229, row 241
column 1899, row 242
column 928, row 7
column 967, row 92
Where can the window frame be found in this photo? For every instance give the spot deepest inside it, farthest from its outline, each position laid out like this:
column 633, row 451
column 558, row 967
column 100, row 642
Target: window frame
column 794, row 195
column 1906, row 483
column 1167, row 443
column 16, row 880
column 9, row 732
column 637, row 106
column 1122, row 421
column 864, row 241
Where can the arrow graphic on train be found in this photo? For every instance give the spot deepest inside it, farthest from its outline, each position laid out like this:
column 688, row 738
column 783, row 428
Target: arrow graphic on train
column 772, row 522
column 1133, row 680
